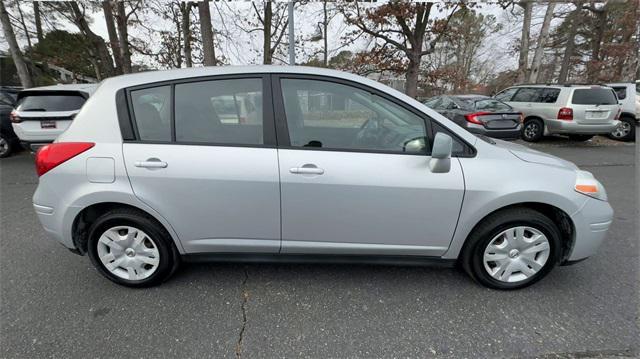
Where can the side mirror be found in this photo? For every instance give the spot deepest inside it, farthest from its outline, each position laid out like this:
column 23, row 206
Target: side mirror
column 415, row 145
column 440, row 161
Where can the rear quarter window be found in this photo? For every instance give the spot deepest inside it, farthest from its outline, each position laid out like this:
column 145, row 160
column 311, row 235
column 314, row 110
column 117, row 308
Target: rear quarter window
column 48, row 103
column 621, row 92
column 594, row 96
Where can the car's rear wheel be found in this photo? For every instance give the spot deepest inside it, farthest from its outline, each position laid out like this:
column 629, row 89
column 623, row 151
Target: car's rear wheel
column 131, row 249
column 626, row 131
column 580, row 138
column 6, row 146
column 533, row 130
column 512, row 249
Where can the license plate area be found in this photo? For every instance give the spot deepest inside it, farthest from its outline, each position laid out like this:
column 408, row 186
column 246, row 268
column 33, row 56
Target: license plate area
column 47, row 124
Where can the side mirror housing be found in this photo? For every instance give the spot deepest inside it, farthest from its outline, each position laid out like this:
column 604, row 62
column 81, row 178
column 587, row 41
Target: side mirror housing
column 440, row 161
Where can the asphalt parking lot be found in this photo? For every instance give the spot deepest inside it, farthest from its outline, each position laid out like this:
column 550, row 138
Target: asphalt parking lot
column 54, row 304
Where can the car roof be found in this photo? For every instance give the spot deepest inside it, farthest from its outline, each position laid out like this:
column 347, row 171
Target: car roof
column 87, row 88
column 469, row 96
column 149, row 77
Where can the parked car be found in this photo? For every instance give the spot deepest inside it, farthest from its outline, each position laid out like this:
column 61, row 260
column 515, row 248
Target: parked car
column 9, row 142
column 43, row 113
column 579, row 111
column 479, row 114
column 339, row 168
column 630, row 100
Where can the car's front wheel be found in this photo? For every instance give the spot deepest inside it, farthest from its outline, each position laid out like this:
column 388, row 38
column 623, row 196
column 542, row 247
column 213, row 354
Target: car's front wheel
column 131, row 249
column 512, row 249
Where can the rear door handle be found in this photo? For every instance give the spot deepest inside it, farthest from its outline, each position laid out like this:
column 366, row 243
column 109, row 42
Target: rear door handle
column 307, row 170
column 151, row 163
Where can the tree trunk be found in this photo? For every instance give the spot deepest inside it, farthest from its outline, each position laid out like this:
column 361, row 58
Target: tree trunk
column 25, row 29
column 411, row 79
column 569, row 48
column 107, row 9
column 601, row 23
column 325, row 24
column 186, row 32
column 268, row 15
column 123, row 37
column 542, row 40
column 523, row 59
column 98, row 47
column 206, row 31
column 38, row 20
column 16, row 54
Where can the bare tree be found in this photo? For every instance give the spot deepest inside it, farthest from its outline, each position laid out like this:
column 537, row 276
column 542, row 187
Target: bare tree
column 273, row 23
column 16, row 54
column 38, row 20
column 185, row 11
column 404, row 29
column 122, row 19
column 542, row 40
column 574, row 20
column 523, row 58
column 114, row 42
column 206, row 30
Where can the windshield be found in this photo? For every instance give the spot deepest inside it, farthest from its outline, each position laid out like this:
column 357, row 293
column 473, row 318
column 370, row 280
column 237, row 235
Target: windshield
column 594, row 96
column 40, row 102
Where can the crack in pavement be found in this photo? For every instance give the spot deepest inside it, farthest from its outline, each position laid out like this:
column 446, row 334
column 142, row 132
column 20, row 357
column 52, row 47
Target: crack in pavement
column 245, row 299
column 604, row 353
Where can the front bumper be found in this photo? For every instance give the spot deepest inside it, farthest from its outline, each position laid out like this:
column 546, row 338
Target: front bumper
column 572, row 127
column 591, row 223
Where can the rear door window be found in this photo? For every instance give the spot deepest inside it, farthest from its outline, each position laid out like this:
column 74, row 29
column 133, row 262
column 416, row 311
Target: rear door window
column 152, row 113
column 527, row 94
column 549, row 95
column 594, row 96
column 50, row 103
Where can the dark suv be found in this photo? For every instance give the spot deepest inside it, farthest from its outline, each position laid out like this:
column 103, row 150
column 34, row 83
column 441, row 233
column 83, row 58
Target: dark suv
column 9, row 142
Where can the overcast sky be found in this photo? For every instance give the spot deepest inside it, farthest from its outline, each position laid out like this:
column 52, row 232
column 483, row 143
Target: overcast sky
column 245, row 48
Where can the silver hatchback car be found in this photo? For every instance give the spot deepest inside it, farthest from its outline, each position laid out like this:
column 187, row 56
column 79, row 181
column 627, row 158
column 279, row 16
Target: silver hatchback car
column 332, row 167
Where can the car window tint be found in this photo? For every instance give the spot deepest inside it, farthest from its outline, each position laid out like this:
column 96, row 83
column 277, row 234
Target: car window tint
column 42, row 102
column 506, row 94
column 491, row 105
column 549, row 95
column 594, row 96
column 335, row 116
column 527, row 94
column 152, row 113
column 220, row 111
column 621, row 92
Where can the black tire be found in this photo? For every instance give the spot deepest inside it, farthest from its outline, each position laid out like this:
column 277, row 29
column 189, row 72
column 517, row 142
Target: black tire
column 6, row 146
column 630, row 124
column 169, row 257
column 580, row 138
column 473, row 251
column 533, row 130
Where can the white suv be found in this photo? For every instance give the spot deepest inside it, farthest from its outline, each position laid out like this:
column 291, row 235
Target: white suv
column 579, row 111
column 43, row 113
column 629, row 119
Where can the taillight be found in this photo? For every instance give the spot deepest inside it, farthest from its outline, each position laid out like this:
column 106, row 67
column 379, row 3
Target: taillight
column 52, row 155
column 473, row 117
column 565, row 113
column 13, row 117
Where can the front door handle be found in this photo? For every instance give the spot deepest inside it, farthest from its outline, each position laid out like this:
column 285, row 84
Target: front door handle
column 151, row 163
column 307, row 169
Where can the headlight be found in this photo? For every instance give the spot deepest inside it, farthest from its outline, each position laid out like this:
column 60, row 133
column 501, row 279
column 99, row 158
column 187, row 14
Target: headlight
column 588, row 185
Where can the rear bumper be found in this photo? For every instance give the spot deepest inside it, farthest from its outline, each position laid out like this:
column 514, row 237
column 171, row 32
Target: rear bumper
column 29, row 132
column 512, row 133
column 573, row 127
column 591, row 222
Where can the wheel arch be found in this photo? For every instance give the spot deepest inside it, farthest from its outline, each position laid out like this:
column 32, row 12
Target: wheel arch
column 83, row 220
column 559, row 217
